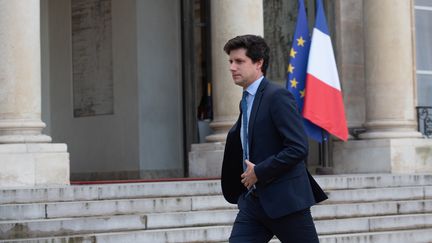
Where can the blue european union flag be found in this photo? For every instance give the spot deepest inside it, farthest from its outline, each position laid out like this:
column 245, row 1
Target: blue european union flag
column 297, row 68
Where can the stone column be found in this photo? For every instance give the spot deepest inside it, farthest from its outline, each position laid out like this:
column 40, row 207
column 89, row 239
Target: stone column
column 389, row 69
column 25, row 157
column 20, row 73
column 391, row 143
column 229, row 19
column 349, row 52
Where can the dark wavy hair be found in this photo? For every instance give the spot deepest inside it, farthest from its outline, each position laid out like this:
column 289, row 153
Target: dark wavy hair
column 256, row 48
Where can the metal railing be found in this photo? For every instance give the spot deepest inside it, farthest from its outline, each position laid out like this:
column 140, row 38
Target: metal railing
column 424, row 120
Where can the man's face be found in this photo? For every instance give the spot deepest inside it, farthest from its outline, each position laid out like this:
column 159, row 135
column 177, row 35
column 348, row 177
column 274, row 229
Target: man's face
column 243, row 70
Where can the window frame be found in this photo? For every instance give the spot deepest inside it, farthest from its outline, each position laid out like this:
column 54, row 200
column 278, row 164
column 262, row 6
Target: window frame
column 426, row 72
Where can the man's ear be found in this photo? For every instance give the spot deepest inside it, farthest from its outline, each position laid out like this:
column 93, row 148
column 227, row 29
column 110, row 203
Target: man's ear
column 260, row 63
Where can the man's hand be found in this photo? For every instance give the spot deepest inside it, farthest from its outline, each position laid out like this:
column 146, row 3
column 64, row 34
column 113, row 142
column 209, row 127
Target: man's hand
column 248, row 177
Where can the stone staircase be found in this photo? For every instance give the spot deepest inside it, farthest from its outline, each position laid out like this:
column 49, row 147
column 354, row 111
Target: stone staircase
column 361, row 208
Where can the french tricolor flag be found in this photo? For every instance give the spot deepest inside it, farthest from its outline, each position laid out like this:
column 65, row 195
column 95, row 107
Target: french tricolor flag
column 323, row 103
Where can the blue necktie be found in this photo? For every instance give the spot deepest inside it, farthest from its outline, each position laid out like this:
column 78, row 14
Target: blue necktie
column 244, row 108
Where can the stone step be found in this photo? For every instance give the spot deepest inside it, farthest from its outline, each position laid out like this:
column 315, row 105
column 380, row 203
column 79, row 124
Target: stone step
column 82, row 225
column 358, row 181
column 68, row 226
column 400, row 236
column 112, row 207
column 220, row 234
column 360, row 224
column 374, row 224
column 191, row 188
column 379, row 208
column 385, row 199
column 110, row 191
column 185, row 235
column 189, row 219
column 379, row 194
column 271, row 241
column 169, row 221
column 195, row 211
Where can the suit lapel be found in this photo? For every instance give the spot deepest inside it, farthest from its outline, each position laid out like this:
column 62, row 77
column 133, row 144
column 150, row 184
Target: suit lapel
column 255, row 107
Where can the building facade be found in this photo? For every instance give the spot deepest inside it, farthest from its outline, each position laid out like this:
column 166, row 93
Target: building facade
column 125, row 88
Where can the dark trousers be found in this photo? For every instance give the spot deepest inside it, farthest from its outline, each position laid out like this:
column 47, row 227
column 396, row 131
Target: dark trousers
column 252, row 225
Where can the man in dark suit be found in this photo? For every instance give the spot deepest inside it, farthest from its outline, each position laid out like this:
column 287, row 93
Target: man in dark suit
column 263, row 167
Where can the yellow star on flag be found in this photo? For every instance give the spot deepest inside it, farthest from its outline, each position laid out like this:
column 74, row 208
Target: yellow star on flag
column 300, row 41
column 290, row 68
column 293, row 53
column 293, row 83
column 302, row 93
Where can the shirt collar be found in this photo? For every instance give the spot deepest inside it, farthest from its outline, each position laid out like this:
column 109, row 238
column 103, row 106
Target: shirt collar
column 252, row 89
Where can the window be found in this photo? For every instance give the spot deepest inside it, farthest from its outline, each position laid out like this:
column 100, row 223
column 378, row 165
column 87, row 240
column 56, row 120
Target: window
column 423, row 18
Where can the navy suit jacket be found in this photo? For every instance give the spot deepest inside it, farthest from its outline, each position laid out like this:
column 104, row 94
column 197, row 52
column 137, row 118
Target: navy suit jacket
column 278, row 147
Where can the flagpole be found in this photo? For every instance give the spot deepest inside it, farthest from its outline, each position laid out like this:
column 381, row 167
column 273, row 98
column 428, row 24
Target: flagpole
column 325, row 168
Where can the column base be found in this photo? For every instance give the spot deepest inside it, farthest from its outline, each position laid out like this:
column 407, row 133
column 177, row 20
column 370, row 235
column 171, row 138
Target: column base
column 40, row 138
column 385, row 129
column 41, row 164
column 214, row 138
column 205, row 159
column 22, row 131
column 383, row 156
column 324, row 171
column 220, row 129
column 390, row 135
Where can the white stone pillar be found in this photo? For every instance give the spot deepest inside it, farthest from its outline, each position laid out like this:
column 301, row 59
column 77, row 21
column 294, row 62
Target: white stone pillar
column 389, row 69
column 20, row 73
column 350, row 58
column 228, row 20
column 391, row 143
column 26, row 158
